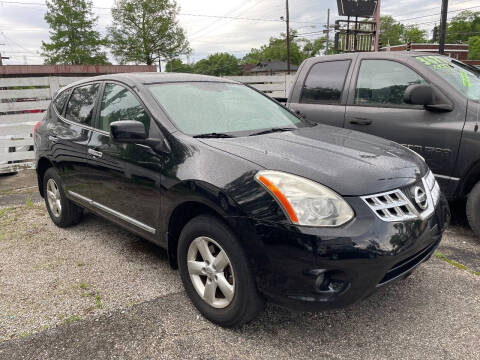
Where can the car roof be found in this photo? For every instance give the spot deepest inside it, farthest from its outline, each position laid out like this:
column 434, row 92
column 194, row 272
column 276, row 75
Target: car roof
column 145, row 78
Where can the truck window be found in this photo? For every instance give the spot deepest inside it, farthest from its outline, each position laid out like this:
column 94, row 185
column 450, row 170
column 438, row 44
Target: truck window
column 325, row 82
column 383, row 83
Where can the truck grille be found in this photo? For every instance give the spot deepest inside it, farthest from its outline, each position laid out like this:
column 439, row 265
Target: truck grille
column 416, row 201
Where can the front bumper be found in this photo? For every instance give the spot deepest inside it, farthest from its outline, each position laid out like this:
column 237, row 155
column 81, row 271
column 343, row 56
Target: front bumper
column 312, row 269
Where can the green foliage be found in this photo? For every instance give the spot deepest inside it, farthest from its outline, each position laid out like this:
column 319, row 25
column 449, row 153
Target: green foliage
column 176, row 65
column 219, row 64
column 474, row 48
column 391, row 31
column 73, row 39
column 276, row 49
column 463, row 26
column 144, row 31
column 414, row 34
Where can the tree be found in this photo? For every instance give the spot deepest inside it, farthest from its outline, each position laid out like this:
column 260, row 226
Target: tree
column 463, row 26
column 391, row 31
column 474, row 48
column 176, row 65
column 276, row 49
column 145, row 31
column 73, row 39
column 219, row 64
column 413, row 34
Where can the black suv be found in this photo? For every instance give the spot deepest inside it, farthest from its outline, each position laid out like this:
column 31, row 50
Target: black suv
column 250, row 201
column 427, row 102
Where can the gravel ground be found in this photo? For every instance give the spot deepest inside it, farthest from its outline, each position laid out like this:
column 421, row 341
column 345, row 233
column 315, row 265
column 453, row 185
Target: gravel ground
column 97, row 291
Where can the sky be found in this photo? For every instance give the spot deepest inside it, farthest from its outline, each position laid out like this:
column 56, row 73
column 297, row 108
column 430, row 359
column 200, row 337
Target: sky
column 22, row 24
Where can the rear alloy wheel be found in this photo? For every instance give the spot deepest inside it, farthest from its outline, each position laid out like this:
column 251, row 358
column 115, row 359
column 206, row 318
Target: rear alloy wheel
column 62, row 211
column 215, row 273
column 473, row 209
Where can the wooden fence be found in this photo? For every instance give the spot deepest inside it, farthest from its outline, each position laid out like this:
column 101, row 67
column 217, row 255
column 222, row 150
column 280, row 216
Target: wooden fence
column 23, row 101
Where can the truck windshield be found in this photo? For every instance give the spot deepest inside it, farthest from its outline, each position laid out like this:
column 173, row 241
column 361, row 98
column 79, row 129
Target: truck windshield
column 221, row 109
column 457, row 74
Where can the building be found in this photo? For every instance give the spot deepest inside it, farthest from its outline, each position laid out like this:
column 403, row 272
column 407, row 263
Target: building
column 272, row 68
column 455, row 51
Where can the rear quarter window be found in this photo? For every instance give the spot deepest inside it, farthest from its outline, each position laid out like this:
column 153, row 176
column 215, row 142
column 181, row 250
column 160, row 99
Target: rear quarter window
column 60, row 100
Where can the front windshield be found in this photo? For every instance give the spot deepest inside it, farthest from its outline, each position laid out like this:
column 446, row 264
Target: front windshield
column 457, row 74
column 222, row 108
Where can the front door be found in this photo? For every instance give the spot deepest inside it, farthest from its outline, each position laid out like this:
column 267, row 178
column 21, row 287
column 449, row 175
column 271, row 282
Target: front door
column 376, row 106
column 126, row 177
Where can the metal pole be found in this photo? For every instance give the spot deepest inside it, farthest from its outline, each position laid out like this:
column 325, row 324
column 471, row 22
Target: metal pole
column 443, row 27
column 327, row 45
column 377, row 25
column 288, row 39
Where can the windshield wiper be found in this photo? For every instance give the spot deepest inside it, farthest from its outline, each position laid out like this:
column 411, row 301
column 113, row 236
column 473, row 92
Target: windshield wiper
column 273, row 130
column 214, row 135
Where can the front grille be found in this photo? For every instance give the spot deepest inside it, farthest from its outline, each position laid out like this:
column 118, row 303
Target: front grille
column 391, row 206
column 415, row 201
column 408, row 264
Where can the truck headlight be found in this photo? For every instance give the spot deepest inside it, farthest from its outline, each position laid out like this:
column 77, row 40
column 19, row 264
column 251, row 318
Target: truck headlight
column 306, row 202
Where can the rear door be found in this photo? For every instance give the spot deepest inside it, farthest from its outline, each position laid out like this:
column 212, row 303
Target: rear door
column 376, row 106
column 126, row 177
column 322, row 98
column 69, row 134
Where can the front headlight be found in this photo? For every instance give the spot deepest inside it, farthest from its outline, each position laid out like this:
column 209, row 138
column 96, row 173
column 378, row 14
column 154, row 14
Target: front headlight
column 306, row 202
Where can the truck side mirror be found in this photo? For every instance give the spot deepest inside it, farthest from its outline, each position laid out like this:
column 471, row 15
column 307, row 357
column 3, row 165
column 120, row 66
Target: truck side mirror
column 419, row 94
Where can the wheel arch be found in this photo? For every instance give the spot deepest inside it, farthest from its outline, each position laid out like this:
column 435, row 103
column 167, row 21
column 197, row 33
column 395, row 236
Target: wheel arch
column 179, row 217
column 42, row 166
column 469, row 180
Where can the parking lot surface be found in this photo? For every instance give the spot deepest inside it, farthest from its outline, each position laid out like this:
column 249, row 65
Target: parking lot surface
column 97, row 291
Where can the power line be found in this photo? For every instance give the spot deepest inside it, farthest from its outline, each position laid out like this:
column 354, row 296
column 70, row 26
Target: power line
column 451, row 11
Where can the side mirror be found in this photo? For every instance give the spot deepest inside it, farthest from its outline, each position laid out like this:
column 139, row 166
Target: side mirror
column 127, row 131
column 419, row 94
column 131, row 131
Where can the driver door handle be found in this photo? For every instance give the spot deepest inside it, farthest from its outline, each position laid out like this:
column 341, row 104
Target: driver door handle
column 96, row 154
column 360, row 121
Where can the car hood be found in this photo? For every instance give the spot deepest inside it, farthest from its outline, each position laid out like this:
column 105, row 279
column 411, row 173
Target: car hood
column 349, row 162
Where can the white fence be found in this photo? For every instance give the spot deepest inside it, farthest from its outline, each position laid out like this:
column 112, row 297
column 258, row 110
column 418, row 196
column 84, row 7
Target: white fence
column 23, row 101
column 277, row 86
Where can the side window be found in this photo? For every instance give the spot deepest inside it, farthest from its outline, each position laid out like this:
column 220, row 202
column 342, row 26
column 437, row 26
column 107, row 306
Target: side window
column 325, row 82
column 383, row 83
column 82, row 103
column 60, row 100
column 119, row 103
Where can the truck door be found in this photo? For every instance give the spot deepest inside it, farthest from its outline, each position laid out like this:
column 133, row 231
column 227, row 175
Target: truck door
column 376, row 106
column 321, row 98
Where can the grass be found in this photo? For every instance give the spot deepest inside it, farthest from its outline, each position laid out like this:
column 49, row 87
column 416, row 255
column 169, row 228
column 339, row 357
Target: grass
column 83, row 286
column 29, row 203
column 72, row 319
column 5, row 211
column 441, row 256
column 98, row 301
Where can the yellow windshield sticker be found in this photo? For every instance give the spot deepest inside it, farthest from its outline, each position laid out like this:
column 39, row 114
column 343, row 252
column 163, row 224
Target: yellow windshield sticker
column 465, row 79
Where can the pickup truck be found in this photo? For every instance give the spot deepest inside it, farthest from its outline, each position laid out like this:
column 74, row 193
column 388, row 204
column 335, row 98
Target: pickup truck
column 426, row 102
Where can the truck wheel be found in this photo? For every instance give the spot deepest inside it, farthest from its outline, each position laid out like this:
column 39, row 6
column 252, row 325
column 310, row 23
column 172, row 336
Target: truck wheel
column 62, row 211
column 473, row 209
column 215, row 273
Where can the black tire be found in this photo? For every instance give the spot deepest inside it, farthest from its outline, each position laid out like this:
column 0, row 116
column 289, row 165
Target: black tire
column 246, row 302
column 473, row 209
column 70, row 213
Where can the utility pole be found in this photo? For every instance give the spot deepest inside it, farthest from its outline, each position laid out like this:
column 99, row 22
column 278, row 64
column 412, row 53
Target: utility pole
column 288, row 39
column 377, row 26
column 443, row 27
column 327, row 43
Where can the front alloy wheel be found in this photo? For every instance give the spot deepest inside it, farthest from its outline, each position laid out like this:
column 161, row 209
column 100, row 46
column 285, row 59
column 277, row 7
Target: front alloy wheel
column 211, row 272
column 215, row 272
